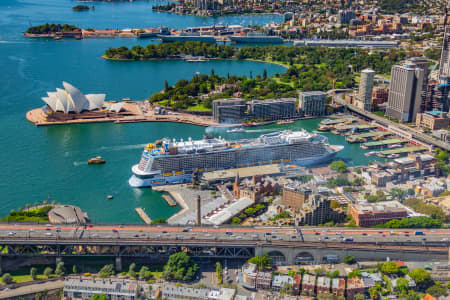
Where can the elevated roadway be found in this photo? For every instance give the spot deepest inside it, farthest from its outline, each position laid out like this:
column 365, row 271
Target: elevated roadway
column 285, row 244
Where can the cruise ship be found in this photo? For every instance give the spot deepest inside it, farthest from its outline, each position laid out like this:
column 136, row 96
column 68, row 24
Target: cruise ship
column 256, row 37
column 173, row 161
column 188, row 36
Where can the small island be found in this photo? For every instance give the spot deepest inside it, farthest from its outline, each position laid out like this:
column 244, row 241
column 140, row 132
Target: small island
column 82, row 8
column 53, row 30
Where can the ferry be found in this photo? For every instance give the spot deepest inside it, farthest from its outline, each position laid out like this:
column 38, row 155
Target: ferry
column 179, row 160
column 256, row 37
column 395, row 146
column 188, row 36
column 285, row 122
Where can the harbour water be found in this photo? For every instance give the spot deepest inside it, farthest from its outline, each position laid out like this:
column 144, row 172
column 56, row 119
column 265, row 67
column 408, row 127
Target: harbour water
column 51, row 162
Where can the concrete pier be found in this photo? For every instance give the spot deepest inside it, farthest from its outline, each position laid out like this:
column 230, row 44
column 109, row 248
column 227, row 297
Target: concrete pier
column 143, row 215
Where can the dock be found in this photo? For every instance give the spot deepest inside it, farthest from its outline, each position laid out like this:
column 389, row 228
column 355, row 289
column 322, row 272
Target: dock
column 358, row 128
column 169, row 200
column 372, row 134
column 403, row 150
column 383, row 143
column 143, row 215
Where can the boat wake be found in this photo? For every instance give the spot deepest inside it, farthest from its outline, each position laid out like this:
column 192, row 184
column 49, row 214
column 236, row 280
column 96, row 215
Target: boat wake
column 121, row 148
column 261, row 130
column 79, row 163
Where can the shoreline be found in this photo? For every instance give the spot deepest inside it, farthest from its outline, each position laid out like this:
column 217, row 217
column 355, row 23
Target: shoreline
column 135, row 115
column 212, row 58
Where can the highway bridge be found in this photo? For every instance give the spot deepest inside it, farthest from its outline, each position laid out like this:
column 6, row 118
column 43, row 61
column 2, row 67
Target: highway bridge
column 285, row 245
column 399, row 129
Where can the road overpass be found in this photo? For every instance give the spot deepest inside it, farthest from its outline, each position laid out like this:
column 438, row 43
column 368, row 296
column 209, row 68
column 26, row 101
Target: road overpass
column 285, row 245
column 396, row 128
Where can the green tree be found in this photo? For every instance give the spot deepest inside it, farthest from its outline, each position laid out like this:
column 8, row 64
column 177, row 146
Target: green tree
column 436, row 290
column 33, row 273
column 159, row 221
column 390, row 268
column 349, row 259
column 219, row 273
column 60, row 269
column 422, row 278
column 402, row 286
column 106, row 271
column 100, row 297
column 7, row 278
column 339, row 166
column 265, row 74
column 287, row 289
column 131, row 270
column 359, row 297
column 48, row 272
column 354, row 273
column 374, row 293
column 180, row 267
column 144, row 273
column 261, row 261
column 74, row 269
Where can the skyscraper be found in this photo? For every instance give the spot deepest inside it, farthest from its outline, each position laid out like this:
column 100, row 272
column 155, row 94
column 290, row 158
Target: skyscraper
column 365, row 89
column 404, row 92
column 441, row 94
column 423, row 64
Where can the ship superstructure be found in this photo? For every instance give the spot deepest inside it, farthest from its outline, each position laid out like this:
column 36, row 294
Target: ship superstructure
column 176, row 161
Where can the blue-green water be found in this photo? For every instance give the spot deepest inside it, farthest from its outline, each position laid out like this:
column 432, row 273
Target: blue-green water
column 40, row 163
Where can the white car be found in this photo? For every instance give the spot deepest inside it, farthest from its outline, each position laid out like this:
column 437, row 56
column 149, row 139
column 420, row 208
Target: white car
column 48, row 234
column 11, row 233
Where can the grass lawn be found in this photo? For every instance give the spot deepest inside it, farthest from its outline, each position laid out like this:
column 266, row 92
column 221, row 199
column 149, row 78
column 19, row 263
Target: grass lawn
column 278, row 80
column 199, row 107
column 24, row 278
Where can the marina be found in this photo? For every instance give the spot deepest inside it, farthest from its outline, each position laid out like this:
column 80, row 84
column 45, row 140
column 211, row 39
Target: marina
column 341, row 129
column 383, row 143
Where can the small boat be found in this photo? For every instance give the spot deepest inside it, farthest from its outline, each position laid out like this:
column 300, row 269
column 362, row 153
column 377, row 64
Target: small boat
column 96, row 161
column 393, row 155
column 236, row 130
column 110, row 196
column 285, row 122
column 371, row 153
column 394, row 146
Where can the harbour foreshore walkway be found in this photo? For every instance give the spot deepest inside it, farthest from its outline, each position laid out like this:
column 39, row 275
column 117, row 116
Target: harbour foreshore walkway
column 134, row 115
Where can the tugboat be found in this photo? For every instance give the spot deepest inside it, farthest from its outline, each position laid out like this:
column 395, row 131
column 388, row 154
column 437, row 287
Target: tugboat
column 96, row 161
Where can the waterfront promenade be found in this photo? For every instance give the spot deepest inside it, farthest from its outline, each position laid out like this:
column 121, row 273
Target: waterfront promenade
column 137, row 111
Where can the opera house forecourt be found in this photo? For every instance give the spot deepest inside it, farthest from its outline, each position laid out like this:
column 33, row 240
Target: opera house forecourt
column 70, row 105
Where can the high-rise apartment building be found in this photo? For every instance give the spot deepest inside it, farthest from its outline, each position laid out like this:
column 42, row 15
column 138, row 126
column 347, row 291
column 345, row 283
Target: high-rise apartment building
column 441, row 95
column 405, row 92
column 365, row 89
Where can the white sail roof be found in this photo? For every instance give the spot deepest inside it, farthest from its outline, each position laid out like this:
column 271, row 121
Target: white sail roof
column 70, row 99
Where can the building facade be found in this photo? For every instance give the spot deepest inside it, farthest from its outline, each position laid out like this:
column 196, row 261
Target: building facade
column 312, row 103
column 368, row 215
column 405, row 92
column 365, row 89
column 433, row 120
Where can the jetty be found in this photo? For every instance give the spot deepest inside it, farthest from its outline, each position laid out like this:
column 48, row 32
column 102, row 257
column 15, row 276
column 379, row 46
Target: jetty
column 404, row 150
column 169, row 200
column 383, row 143
column 337, row 121
column 370, row 135
column 358, row 128
column 143, row 215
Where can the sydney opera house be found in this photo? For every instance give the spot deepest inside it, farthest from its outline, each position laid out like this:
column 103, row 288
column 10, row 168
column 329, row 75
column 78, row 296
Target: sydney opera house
column 71, row 101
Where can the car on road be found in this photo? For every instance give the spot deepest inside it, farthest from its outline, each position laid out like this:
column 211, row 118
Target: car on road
column 444, row 240
column 11, row 233
column 31, row 230
column 115, row 231
column 364, row 233
column 48, row 234
column 136, row 235
column 229, row 233
column 90, row 226
column 255, row 235
column 94, row 235
column 164, row 231
column 216, row 227
column 48, row 225
column 280, row 238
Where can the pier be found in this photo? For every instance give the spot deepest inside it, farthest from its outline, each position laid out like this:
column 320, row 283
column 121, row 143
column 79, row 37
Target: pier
column 337, row 121
column 383, row 143
column 372, row 134
column 169, row 200
column 358, row 128
column 403, row 150
column 143, row 215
